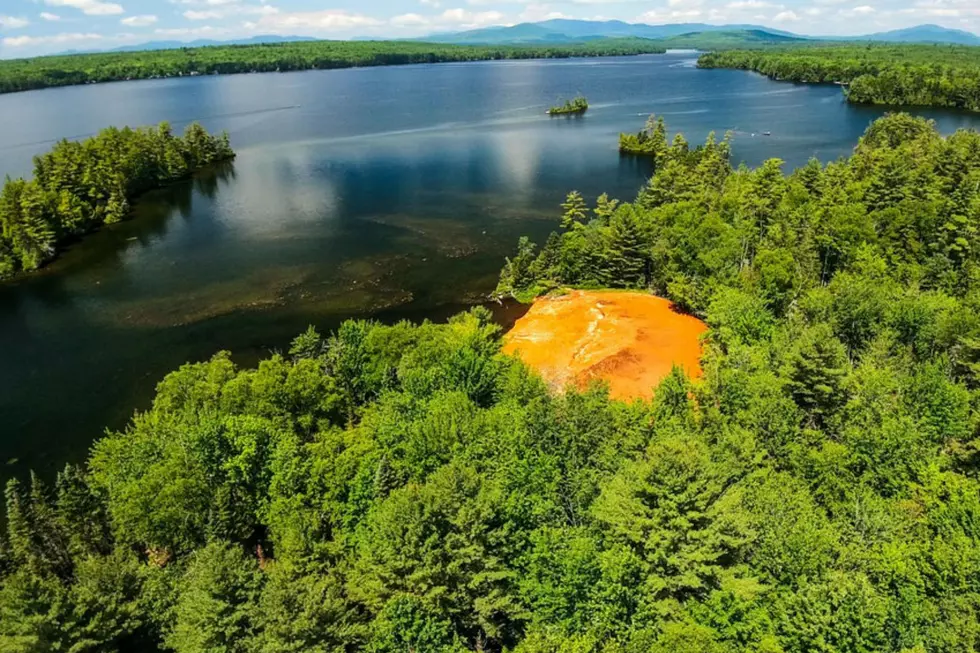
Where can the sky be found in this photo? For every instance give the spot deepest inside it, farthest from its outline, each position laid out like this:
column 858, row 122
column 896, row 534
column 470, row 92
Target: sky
column 32, row 27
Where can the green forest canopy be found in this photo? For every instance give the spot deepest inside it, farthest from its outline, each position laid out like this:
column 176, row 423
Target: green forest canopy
column 80, row 186
column 909, row 75
column 408, row 488
column 65, row 70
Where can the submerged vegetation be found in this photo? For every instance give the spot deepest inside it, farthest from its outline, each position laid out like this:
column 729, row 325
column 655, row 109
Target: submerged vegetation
column 80, row 186
column 577, row 105
column 64, row 70
column 409, row 488
column 910, row 75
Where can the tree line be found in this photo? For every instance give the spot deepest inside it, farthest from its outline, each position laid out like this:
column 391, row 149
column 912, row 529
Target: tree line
column 909, row 75
column 408, row 488
column 65, row 70
column 79, row 186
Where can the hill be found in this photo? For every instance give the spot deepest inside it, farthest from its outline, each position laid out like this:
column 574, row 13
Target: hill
column 926, row 34
column 261, row 39
column 201, row 43
column 566, row 31
column 718, row 40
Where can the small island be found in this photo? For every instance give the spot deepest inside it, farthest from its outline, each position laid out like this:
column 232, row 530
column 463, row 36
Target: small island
column 577, row 106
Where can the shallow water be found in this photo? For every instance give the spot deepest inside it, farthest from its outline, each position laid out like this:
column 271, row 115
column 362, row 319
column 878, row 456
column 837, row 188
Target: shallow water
column 386, row 192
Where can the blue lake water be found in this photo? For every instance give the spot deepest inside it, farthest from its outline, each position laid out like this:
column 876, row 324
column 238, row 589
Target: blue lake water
column 384, row 192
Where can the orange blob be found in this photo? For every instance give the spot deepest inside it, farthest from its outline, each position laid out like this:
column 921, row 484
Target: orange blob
column 630, row 339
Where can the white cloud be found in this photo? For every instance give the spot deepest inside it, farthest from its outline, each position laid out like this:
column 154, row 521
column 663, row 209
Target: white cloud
column 751, row 4
column 945, row 9
column 410, row 20
column 786, row 16
column 89, row 7
column 677, row 15
column 451, row 19
column 344, row 22
column 230, row 11
column 204, row 30
column 24, row 41
column 50, row 17
column 205, row 3
column 192, row 14
column 471, row 19
column 863, row 10
column 536, row 13
column 257, row 10
column 139, row 21
column 12, row 22
column 329, row 20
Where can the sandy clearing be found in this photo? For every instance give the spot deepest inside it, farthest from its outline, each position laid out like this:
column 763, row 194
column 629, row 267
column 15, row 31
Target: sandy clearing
column 630, row 339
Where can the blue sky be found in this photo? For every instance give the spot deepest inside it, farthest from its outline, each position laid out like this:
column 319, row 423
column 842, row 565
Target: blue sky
column 31, row 27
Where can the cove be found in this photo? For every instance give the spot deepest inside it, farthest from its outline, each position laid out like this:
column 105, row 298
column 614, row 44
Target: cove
column 385, row 192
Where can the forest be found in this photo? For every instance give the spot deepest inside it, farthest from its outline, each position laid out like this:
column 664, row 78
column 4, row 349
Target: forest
column 409, row 488
column 64, row 70
column 80, row 186
column 899, row 75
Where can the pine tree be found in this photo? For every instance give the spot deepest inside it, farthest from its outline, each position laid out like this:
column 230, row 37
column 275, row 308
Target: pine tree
column 18, row 524
column 605, row 208
column 117, row 208
column 517, row 272
column 385, row 479
column 817, row 368
column 308, row 344
column 81, row 513
column 51, row 543
column 626, row 261
column 574, row 210
column 547, row 266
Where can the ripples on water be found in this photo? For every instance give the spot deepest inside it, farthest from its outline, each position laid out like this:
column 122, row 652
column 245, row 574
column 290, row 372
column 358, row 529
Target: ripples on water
column 384, row 192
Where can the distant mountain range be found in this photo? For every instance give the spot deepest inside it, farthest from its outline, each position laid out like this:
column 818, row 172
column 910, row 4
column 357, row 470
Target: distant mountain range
column 200, row 43
column 558, row 31
column 565, row 31
column 926, row 34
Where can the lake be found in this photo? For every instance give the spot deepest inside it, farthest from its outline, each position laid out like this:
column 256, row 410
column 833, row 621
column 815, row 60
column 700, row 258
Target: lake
column 381, row 192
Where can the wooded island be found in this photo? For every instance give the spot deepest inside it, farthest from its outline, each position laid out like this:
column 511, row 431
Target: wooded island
column 576, row 106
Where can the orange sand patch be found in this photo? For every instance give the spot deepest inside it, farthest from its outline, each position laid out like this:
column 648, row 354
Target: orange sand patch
column 630, row 339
